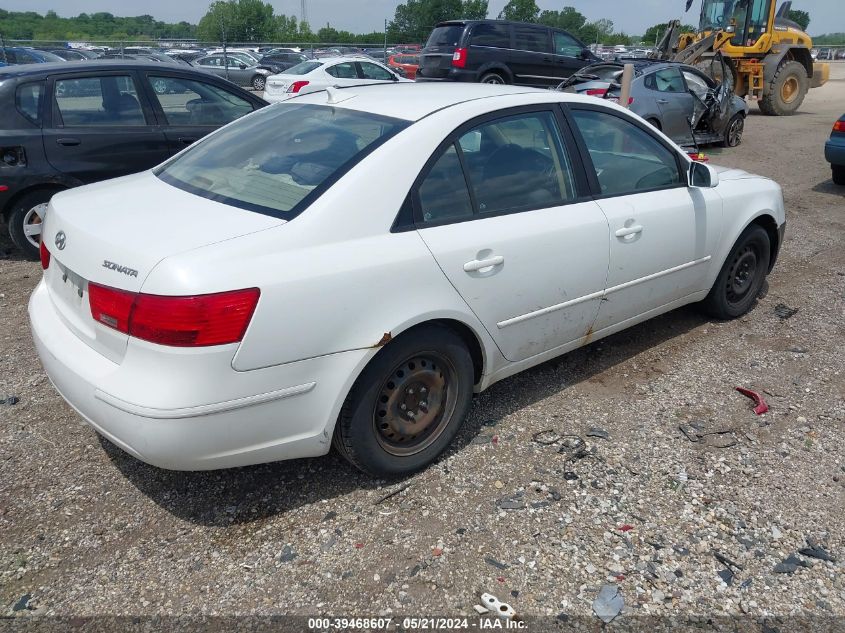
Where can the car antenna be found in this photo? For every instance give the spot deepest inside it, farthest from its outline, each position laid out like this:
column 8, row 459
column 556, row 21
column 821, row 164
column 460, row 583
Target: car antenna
column 335, row 96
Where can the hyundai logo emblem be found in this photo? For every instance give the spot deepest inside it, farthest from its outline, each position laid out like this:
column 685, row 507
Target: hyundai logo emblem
column 61, row 240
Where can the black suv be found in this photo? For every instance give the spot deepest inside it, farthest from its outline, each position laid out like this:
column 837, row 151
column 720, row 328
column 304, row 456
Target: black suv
column 501, row 52
column 67, row 124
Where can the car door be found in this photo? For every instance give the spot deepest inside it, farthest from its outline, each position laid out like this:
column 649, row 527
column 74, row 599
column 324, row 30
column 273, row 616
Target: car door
column 369, row 71
column 531, row 57
column 501, row 206
column 662, row 232
column 102, row 126
column 567, row 55
column 667, row 87
column 188, row 109
column 343, row 74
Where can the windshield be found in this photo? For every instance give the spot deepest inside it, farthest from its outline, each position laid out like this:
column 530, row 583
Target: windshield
column 445, row 36
column 279, row 159
column 302, row 68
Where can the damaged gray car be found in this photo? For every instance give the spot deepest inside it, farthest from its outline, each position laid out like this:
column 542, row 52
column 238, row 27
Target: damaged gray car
column 684, row 103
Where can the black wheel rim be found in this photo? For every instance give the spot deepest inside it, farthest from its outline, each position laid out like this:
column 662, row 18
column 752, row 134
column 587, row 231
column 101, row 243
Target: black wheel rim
column 742, row 275
column 415, row 404
column 493, row 79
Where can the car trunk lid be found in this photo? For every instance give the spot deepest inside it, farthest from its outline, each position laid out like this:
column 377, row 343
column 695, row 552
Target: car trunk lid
column 114, row 233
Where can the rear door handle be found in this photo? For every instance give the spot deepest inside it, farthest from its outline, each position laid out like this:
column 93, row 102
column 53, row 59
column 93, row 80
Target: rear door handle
column 629, row 230
column 663, row 101
column 187, row 140
column 480, row 264
column 68, row 141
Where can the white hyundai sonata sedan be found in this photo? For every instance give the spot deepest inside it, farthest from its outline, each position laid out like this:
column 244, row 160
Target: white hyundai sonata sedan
column 350, row 266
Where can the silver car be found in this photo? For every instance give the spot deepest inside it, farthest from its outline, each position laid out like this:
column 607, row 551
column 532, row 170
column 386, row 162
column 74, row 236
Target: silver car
column 235, row 69
column 683, row 102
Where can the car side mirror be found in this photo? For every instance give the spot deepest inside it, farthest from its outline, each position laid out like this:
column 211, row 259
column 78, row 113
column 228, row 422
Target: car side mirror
column 242, row 66
column 703, row 176
column 585, row 53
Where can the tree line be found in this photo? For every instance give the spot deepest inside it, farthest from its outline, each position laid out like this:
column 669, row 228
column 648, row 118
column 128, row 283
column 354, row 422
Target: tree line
column 256, row 21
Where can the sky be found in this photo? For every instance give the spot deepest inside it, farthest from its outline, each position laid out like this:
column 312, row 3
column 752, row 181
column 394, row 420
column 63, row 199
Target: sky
column 364, row 16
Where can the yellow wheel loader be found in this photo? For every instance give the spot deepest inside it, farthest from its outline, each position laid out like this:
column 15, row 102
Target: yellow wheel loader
column 767, row 54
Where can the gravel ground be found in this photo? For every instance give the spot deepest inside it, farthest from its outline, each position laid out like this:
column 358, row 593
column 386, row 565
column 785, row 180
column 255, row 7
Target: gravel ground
column 86, row 530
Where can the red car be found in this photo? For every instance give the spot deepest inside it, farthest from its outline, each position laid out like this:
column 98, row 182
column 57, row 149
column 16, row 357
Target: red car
column 406, row 62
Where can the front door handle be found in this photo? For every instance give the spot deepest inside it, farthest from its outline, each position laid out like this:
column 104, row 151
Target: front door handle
column 481, row 264
column 629, row 230
column 68, row 141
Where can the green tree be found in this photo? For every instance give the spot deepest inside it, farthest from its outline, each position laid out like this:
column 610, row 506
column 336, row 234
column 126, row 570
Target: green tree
column 413, row 20
column 802, row 18
column 475, row 9
column 219, row 23
column 520, row 11
column 568, row 19
column 655, row 32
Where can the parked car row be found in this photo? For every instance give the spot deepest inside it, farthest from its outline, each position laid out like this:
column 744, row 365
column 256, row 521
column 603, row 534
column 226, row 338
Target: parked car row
column 68, row 124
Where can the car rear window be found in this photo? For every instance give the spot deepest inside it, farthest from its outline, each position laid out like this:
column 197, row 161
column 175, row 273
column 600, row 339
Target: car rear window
column 445, row 35
column 491, row 34
column 278, row 160
column 28, row 98
column 302, row 69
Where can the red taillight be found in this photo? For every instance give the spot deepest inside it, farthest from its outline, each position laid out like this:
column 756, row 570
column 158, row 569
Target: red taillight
column 596, row 92
column 839, row 126
column 459, row 58
column 45, row 256
column 196, row 321
column 110, row 306
column 296, row 86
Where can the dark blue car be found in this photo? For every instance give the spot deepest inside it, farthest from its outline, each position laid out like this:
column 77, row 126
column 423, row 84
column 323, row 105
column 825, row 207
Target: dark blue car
column 834, row 151
column 13, row 55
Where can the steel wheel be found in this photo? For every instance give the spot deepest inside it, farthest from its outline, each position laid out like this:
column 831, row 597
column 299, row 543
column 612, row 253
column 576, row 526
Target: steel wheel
column 742, row 274
column 32, row 220
column 789, row 90
column 415, row 404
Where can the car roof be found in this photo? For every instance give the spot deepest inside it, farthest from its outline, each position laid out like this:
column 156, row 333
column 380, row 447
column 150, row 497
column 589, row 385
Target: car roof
column 51, row 68
column 413, row 101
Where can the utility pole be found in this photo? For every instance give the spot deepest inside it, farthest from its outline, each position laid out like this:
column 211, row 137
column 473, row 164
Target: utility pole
column 303, row 11
column 385, row 38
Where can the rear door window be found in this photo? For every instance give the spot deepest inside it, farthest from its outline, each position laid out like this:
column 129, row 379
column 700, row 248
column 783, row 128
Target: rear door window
column 665, row 80
column 28, row 101
column 99, row 101
column 374, row 71
column 530, row 38
column 494, row 35
column 189, row 102
column 346, row 70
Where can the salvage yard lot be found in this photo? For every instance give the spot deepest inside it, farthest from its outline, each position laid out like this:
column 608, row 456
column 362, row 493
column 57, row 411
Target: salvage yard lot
column 87, row 530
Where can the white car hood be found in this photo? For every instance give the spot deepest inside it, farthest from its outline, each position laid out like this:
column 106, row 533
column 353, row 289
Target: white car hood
column 134, row 222
column 731, row 173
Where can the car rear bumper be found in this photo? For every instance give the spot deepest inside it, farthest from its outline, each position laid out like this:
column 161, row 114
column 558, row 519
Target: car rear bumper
column 834, row 151
column 271, row 414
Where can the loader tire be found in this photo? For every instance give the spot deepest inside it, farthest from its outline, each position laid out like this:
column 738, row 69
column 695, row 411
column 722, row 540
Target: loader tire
column 785, row 91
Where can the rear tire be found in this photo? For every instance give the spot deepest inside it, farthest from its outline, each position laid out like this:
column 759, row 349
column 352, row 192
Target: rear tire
column 734, row 131
column 838, row 174
column 493, row 78
column 25, row 221
column 258, row 82
column 408, row 404
column 785, row 91
column 655, row 124
column 742, row 276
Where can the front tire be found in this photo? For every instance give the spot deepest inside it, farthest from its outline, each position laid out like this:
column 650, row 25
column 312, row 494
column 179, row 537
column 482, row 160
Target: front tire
column 742, row 276
column 408, row 404
column 785, row 92
column 734, row 131
column 838, row 174
column 25, row 221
